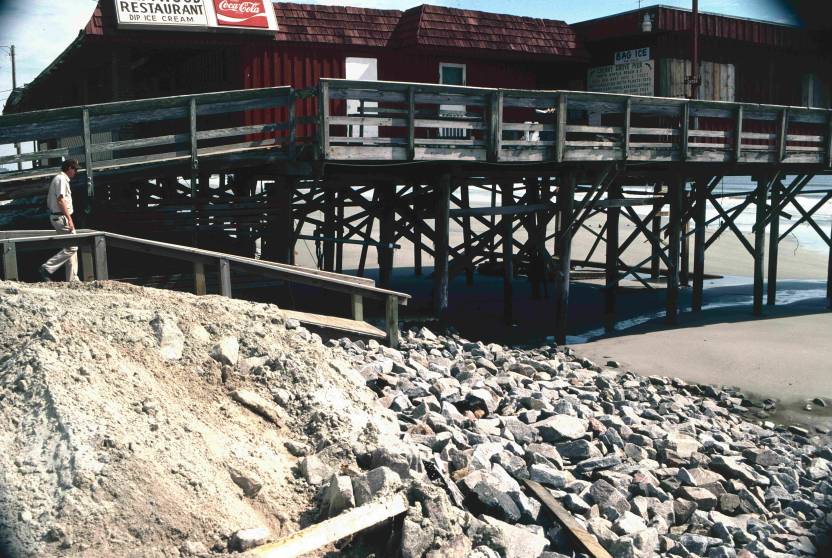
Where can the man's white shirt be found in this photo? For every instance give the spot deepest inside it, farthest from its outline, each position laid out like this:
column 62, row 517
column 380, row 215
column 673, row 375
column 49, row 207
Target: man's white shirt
column 59, row 187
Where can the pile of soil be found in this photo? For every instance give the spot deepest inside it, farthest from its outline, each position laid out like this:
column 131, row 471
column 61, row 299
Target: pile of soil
column 141, row 422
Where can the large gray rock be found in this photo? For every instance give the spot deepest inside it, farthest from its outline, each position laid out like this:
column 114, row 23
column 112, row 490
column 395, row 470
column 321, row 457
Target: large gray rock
column 338, row 495
column 514, row 541
column 170, row 337
column 227, row 351
column 550, row 477
column 561, row 427
column 491, row 493
column 416, row 539
column 610, row 500
column 381, row 479
column 578, row 450
column 314, row 470
column 249, row 482
column 246, row 539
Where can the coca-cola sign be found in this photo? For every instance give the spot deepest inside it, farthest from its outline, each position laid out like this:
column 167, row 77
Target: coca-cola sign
column 243, row 13
column 253, row 16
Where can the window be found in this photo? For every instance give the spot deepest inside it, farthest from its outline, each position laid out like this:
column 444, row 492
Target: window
column 452, row 74
column 365, row 69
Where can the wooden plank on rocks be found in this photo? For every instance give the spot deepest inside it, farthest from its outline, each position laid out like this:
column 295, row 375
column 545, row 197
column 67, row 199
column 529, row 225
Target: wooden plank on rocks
column 586, row 540
column 335, row 323
column 327, row 532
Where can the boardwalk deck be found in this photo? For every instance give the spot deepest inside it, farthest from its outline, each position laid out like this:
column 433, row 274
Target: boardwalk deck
column 190, row 166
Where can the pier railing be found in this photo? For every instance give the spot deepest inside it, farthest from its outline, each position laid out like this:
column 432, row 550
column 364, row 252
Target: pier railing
column 421, row 122
column 94, row 245
column 122, row 136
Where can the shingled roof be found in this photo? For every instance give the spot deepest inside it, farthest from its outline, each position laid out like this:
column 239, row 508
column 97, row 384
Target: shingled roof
column 451, row 28
column 342, row 25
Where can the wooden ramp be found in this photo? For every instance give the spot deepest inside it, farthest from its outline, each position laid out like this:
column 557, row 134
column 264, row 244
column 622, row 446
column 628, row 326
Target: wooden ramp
column 335, row 323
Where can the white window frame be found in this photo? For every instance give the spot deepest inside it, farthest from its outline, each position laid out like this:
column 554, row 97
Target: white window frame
column 353, row 105
column 453, row 133
column 443, row 65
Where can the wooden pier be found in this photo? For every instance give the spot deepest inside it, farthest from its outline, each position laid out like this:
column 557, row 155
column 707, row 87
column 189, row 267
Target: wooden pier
column 384, row 163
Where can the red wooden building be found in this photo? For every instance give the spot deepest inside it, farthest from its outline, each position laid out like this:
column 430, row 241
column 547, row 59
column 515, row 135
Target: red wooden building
column 427, row 43
column 742, row 59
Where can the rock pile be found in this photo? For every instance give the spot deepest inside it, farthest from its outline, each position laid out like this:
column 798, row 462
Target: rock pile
column 648, row 465
column 144, row 422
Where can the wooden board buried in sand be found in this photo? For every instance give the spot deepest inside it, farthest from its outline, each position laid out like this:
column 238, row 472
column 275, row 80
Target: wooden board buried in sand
column 333, row 322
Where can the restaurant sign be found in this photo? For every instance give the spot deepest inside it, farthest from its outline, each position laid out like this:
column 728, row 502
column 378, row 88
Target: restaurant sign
column 197, row 15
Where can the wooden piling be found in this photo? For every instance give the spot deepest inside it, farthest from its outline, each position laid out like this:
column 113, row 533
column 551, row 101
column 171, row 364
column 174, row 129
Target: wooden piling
column 611, row 283
column 328, row 246
column 760, row 196
column 674, row 244
column 385, row 248
column 656, row 225
column 701, row 198
column 284, row 229
column 773, row 242
column 565, row 201
column 10, row 262
column 507, row 190
column 440, row 266
column 466, row 234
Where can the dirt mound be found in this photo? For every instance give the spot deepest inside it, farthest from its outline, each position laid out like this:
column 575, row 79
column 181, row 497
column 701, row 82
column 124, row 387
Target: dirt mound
column 142, row 422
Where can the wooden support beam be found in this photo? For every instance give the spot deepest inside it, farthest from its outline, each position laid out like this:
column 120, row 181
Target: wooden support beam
column 101, row 269
column 627, row 108
column 339, row 233
column 391, row 320
column 495, row 126
column 384, row 250
column 683, row 148
column 466, row 234
column 507, row 191
column 782, row 132
column 684, row 255
column 672, row 303
column 357, row 307
column 738, row 135
column 761, row 196
column 560, row 128
column 656, row 225
column 283, row 235
column 773, row 242
column 225, row 277
column 441, row 239
column 327, row 532
column 329, row 229
column 88, row 160
column 87, row 265
column 611, row 283
column 199, row 279
column 323, row 120
column 411, row 123
column 699, row 211
column 566, row 201
column 10, row 262
column 194, row 168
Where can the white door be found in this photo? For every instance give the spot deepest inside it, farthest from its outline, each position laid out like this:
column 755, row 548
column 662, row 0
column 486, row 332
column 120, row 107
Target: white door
column 364, row 69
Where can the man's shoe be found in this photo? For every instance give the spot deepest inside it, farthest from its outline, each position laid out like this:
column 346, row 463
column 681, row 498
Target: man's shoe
column 44, row 275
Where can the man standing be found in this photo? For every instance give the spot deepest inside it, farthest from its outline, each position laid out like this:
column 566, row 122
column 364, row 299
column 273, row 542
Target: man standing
column 59, row 202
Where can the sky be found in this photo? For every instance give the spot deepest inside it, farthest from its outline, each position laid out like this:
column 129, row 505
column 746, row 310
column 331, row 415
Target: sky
column 42, row 29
